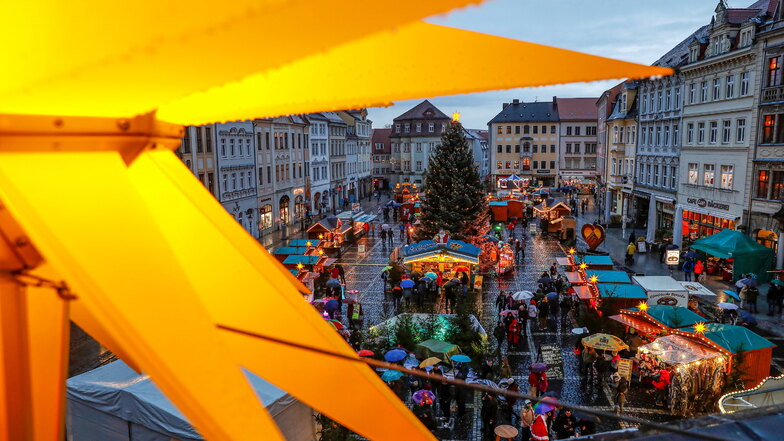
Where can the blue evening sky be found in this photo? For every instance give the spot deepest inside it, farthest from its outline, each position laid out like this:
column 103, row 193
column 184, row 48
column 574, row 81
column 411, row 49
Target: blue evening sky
column 639, row 31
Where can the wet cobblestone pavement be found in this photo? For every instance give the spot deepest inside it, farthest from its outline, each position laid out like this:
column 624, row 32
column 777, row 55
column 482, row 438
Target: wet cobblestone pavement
column 363, row 273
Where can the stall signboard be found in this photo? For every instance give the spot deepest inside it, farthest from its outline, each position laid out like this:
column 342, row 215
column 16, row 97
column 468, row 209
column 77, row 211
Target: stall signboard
column 625, row 369
column 361, row 249
column 532, row 228
column 356, row 208
column 673, row 257
column 670, row 298
column 478, row 282
column 642, row 247
column 551, row 354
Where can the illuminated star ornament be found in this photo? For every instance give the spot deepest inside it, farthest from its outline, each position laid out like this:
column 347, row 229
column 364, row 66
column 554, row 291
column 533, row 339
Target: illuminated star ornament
column 572, row 251
column 94, row 119
column 309, row 243
column 300, row 265
column 593, row 279
column 583, row 265
column 456, row 117
column 642, row 306
column 700, row 328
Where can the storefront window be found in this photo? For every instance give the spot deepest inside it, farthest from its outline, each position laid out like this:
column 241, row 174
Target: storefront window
column 265, row 217
column 768, row 128
column 763, row 178
column 284, row 210
column 526, row 163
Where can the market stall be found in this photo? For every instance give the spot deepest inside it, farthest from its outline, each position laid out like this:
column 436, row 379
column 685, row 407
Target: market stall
column 697, row 371
column 603, row 276
column 597, row 262
column 617, row 296
column 499, row 211
column 331, row 232
column 734, row 254
column 436, row 348
column 663, row 290
column 405, row 191
column 551, row 209
column 515, row 208
column 299, row 261
column 506, row 260
column 451, row 257
column 281, row 253
column 768, row 393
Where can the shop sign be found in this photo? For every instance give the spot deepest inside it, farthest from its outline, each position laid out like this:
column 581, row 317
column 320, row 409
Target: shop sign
column 532, row 228
column 543, row 171
column 625, row 369
column 669, row 298
column 551, row 355
column 421, row 248
column 356, row 208
column 361, row 249
column 702, row 203
column 673, row 257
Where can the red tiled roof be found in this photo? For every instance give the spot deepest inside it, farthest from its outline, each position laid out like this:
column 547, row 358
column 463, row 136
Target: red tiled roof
column 382, row 136
column 576, row 108
column 423, row 110
column 738, row 16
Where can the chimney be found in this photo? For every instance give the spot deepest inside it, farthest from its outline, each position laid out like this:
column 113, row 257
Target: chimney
column 515, row 101
column 504, row 106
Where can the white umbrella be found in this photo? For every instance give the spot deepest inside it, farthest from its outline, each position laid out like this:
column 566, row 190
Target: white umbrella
column 522, row 296
column 725, row 305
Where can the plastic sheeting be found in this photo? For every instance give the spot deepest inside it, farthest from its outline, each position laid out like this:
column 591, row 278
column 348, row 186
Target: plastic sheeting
column 676, row 350
column 113, row 402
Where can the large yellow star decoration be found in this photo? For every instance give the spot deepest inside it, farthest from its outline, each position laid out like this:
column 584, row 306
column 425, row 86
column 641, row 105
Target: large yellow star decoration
column 133, row 248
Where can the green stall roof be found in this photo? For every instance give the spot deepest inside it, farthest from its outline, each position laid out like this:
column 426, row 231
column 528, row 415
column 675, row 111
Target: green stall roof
column 294, row 271
column 673, row 316
column 498, row 203
column 609, row 276
column 305, row 260
column 288, row 250
column 595, row 260
column 734, row 338
column 621, row 291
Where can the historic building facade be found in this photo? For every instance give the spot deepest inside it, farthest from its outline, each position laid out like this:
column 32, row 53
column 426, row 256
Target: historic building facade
column 719, row 117
column 524, row 142
column 319, row 162
column 577, row 141
column 382, row 150
column 415, row 136
column 621, row 142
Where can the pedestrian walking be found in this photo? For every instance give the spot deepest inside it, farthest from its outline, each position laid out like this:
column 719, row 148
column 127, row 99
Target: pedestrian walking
column 526, row 420
column 774, row 299
column 751, row 295
column 341, row 272
column 688, row 269
column 500, row 301
column 620, row 394
column 499, row 333
column 565, row 424
column 513, row 334
column 383, row 237
column 539, row 429
column 489, row 413
column 402, row 231
column 544, row 312
column 630, row 250
column 699, row 272
column 391, row 238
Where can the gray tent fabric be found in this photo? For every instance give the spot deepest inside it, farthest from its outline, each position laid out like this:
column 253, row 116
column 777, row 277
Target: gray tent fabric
column 114, row 403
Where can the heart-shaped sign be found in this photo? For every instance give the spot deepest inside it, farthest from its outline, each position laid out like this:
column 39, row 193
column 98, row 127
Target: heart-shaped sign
column 593, row 235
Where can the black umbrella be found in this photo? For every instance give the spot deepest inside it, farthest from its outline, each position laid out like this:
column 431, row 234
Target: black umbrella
column 544, row 280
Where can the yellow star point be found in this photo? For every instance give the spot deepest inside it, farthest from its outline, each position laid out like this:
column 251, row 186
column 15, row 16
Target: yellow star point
column 594, row 279
column 583, row 265
column 700, row 328
column 456, row 117
column 572, row 251
column 642, row 306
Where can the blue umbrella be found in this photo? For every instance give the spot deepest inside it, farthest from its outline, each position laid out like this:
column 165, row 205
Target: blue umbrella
column 395, row 355
column 431, row 275
column 750, row 282
column 552, row 295
column 333, row 283
column 390, row 203
column 332, row 305
column 407, row 283
column 690, row 255
column 461, row 358
column 391, row 375
column 732, row 294
column 748, row 318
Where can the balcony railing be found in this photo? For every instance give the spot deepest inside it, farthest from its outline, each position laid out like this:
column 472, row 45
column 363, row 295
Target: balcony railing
column 773, row 94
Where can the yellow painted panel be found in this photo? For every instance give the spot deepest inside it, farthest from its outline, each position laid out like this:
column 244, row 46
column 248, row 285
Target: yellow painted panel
column 91, row 226
column 299, row 87
column 243, row 288
column 98, row 58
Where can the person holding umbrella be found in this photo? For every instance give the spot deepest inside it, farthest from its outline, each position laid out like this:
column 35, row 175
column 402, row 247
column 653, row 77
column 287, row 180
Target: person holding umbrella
column 565, row 424
column 513, row 334
column 539, row 430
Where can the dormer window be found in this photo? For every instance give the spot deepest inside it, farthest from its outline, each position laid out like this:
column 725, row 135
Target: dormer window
column 694, row 53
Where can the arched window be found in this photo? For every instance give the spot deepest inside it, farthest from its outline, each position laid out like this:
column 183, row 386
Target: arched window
column 767, row 238
column 299, row 208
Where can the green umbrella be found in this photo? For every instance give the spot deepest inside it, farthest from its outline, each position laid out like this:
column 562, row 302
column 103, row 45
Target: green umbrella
column 386, row 268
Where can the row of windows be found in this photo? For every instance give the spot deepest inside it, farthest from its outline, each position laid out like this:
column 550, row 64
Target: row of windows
column 622, row 167
column 239, row 181
column 699, row 136
column 589, row 131
column 719, row 88
column 579, row 163
column 620, row 133
column 243, row 147
column 526, row 164
column 203, row 140
column 659, row 135
column 649, row 174
column 773, row 129
column 661, row 100
column 709, row 175
column 590, row 147
column 770, row 184
column 431, row 128
column 528, row 148
column 528, row 128
column 418, row 146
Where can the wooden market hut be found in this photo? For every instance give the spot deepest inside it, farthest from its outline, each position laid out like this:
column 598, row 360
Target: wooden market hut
column 551, row 209
column 499, row 211
column 429, row 255
column 281, row 253
column 292, row 262
column 331, row 232
column 757, row 351
column 618, row 296
column 597, row 262
column 515, row 208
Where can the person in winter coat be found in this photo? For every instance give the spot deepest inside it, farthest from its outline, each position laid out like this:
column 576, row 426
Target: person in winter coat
column 539, row 430
column 513, row 334
column 774, row 299
column 489, row 414
column 445, row 394
column 699, row 272
column 688, row 269
column 544, row 313
column 500, row 301
column 661, row 385
column 499, row 333
column 533, row 312
column 526, row 420
column 620, row 394
column 565, row 424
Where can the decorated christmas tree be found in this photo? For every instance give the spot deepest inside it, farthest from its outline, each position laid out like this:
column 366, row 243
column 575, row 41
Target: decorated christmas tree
column 454, row 196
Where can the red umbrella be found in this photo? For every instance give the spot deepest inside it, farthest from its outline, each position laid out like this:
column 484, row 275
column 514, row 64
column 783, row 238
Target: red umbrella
column 337, row 324
column 460, row 268
column 365, row 353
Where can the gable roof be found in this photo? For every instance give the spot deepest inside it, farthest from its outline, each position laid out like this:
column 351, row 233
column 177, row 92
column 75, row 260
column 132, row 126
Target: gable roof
column 423, row 110
column 576, row 108
column 527, row 112
column 679, row 55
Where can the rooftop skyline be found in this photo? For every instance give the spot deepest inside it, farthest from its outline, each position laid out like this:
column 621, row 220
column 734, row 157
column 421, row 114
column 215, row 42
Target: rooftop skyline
column 641, row 33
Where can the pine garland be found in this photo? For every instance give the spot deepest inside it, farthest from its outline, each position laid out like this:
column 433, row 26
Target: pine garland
column 454, row 196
